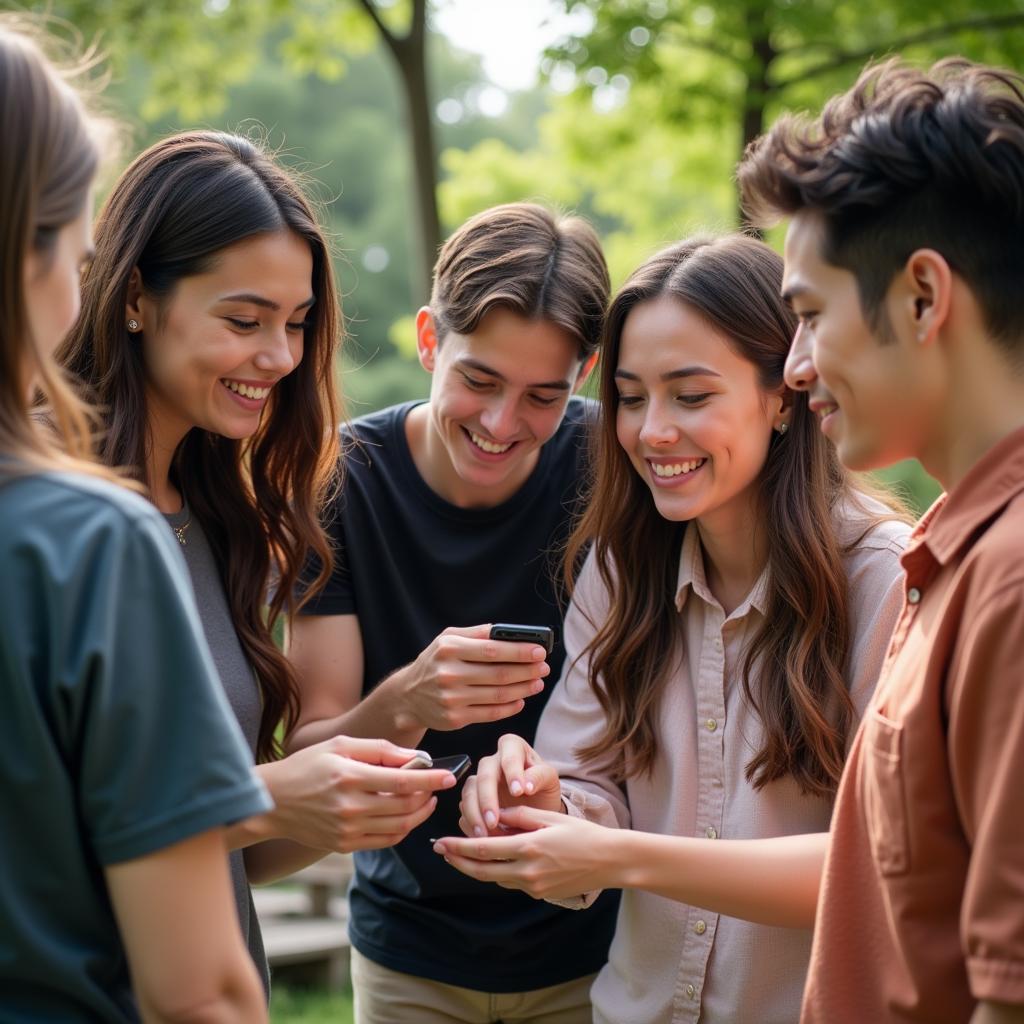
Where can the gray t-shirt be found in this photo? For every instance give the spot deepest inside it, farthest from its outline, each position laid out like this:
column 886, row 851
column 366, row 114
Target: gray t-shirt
column 115, row 737
column 240, row 686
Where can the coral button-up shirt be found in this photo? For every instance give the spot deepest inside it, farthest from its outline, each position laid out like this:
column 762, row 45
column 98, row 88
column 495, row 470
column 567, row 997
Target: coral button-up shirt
column 922, row 906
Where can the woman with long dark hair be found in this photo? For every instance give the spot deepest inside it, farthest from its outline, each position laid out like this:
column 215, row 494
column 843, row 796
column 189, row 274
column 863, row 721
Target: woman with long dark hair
column 207, row 338
column 120, row 763
column 726, row 632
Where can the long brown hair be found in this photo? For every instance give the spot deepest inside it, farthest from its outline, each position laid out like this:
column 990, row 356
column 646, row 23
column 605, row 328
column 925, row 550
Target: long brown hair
column 48, row 160
column 173, row 210
column 802, row 648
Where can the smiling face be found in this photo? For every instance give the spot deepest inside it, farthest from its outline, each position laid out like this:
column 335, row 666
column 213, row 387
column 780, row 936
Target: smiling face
column 496, row 396
column 214, row 349
column 692, row 416
column 863, row 387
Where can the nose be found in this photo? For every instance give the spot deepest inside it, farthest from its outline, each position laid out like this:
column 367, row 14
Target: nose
column 500, row 418
column 658, row 427
column 280, row 353
column 799, row 372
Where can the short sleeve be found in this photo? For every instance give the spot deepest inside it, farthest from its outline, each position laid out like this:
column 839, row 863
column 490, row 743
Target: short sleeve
column 986, row 740
column 157, row 754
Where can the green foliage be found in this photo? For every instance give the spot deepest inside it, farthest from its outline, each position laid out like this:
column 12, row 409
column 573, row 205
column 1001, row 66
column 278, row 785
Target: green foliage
column 309, row 1006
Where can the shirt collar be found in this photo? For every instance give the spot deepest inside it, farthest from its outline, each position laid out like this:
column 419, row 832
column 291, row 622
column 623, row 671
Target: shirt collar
column 987, row 489
column 691, row 578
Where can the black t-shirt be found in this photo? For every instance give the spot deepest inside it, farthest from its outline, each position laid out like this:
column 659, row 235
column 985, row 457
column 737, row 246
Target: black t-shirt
column 409, row 565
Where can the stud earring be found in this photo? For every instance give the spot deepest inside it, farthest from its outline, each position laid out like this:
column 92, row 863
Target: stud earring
column 133, row 325
column 782, row 428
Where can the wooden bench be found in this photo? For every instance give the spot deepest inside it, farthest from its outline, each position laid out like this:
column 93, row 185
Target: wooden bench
column 304, row 920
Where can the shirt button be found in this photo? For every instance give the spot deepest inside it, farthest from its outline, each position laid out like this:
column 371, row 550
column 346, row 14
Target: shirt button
column 700, row 927
column 710, row 832
column 711, row 725
column 691, row 991
column 913, row 595
column 718, row 643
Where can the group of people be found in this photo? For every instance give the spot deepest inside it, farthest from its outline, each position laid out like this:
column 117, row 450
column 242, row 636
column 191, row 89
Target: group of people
column 765, row 773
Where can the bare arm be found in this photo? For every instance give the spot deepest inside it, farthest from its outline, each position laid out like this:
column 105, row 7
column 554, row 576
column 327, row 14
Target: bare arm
column 462, row 677
column 177, row 917
column 770, row 881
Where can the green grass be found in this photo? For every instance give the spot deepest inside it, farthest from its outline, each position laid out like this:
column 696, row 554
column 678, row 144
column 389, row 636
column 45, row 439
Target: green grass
column 309, row 1006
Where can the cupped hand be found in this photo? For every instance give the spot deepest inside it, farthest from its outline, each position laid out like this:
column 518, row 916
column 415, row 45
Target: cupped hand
column 551, row 856
column 514, row 776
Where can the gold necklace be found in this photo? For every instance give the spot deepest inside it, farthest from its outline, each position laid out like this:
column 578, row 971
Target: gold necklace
column 179, row 531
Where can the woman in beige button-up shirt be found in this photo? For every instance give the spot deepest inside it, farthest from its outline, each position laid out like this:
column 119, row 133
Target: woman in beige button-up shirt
column 722, row 642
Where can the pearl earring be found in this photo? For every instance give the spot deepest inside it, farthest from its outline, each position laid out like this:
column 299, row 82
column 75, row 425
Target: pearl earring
column 782, row 428
column 133, row 325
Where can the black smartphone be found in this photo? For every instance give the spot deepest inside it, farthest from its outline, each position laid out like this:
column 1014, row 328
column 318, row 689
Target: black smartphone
column 457, row 764
column 543, row 635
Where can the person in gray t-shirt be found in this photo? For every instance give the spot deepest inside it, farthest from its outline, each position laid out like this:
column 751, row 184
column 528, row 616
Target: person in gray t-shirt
column 208, row 335
column 119, row 759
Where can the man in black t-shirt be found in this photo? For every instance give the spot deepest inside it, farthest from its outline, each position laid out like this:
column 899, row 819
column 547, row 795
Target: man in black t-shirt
column 451, row 518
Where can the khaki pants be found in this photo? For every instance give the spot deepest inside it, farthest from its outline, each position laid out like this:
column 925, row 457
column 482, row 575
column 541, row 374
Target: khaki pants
column 384, row 996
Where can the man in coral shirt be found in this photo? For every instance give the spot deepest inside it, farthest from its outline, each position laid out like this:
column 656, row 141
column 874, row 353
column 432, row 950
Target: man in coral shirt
column 904, row 262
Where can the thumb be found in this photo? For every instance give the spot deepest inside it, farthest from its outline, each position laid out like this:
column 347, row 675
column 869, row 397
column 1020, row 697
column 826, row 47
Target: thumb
column 529, row 819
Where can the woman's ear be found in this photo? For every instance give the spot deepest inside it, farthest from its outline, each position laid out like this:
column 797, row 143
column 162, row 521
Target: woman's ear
column 134, row 302
column 426, row 339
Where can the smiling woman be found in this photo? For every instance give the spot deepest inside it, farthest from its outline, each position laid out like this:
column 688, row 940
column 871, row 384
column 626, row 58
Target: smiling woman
column 208, row 333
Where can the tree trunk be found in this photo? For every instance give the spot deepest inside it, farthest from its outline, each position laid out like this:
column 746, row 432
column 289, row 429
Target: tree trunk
column 758, row 91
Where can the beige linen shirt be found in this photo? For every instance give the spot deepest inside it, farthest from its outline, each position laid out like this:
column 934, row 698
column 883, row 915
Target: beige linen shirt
column 670, row 962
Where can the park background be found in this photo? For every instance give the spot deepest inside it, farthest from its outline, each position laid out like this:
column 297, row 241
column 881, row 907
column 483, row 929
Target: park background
column 408, row 116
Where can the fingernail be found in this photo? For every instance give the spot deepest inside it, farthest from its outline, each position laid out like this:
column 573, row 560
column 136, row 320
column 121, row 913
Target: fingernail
column 537, row 686
column 477, row 831
column 529, row 786
column 490, row 818
column 439, row 847
column 449, row 781
column 516, row 788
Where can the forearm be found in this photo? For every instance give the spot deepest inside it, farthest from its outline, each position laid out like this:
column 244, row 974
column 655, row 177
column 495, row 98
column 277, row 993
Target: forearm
column 269, row 861
column 382, row 713
column 768, row 881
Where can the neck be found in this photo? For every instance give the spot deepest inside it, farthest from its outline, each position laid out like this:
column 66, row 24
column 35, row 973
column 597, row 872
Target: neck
column 733, row 549
column 983, row 403
column 163, row 440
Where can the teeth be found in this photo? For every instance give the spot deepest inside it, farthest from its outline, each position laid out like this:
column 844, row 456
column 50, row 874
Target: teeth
column 827, row 410
column 245, row 389
column 489, row 446
column 678, row 468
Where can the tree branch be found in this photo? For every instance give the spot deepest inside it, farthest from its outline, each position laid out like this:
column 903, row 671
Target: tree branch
column 840, row 57
column 392, row 41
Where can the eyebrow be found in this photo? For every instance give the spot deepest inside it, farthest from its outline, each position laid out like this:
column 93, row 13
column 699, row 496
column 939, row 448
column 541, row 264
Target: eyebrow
column 552, row 385
column 685, row 371
column 265, row 303
column 794, row 291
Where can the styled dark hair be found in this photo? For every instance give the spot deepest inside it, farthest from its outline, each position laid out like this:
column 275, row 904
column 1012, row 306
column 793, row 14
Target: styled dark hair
column 48, row 160
column 172, row 212
column 800, row 691
column 909, row 159
column 523, row 258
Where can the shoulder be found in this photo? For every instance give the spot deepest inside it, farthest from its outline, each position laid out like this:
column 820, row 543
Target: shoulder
column 370, row 439
column 73, row 507
column 995, row 562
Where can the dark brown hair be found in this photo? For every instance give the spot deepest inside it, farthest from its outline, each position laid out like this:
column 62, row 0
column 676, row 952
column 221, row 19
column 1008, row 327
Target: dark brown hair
column 799, row 691
column 177, row 206
column 909, row 159
column 48, row 160
column 522, row 257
